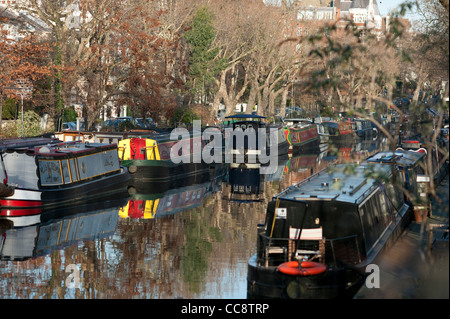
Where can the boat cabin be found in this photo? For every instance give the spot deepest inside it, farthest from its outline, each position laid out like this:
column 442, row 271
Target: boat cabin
column 249, row 125
column 297, row 122
column 47, row 172
column 55, row 164
column 410, row 165
column 336, row 216
column 245, row 147
column 338, row 129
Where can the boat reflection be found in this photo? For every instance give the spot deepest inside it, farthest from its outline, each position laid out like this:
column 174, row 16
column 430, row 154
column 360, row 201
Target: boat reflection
column 149, row 200
column 355, row 152
column 57, row 229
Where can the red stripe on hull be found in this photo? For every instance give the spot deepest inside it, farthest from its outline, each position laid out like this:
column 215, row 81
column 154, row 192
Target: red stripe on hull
column 19, row 203
column 20, row 212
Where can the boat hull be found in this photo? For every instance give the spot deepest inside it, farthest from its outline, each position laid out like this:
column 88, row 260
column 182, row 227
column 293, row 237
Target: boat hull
column 268, row 282
column 25, row 202
column 163, row 171
column 344, row 229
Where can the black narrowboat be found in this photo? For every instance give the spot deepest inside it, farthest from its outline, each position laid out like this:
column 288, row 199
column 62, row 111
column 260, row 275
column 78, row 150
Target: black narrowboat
column 45, row 172
column 320, row 234
column 413, row 176
column 364, row 128
column 251, row 140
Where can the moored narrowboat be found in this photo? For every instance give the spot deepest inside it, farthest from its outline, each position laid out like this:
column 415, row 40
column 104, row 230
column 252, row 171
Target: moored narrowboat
column 363, row 128
column 301, row 134
column 339, row 131
column 320, row 234
column 160, row 157
column 411, row 163
column 46, row 172
column 251, row 140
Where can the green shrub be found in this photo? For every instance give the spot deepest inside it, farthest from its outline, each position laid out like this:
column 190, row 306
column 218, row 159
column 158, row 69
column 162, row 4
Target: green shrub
column 31, row 126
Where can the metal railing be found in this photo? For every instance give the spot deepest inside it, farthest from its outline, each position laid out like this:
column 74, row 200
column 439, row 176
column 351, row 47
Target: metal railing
column 274, row 251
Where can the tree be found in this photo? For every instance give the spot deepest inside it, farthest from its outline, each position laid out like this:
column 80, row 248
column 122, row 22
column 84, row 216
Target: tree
column 203, row 65
column 157, row 74
column 92, row 41
column 26, row 60
column 255, row 68
column 363, row 67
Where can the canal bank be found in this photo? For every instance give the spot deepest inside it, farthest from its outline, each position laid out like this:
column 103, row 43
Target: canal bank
column 417, row 265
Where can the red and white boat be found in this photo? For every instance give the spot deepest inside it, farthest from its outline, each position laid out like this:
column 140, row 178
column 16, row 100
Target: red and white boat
column 40, row 173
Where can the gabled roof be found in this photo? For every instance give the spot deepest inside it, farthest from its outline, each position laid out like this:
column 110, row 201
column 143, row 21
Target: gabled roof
column 364, row 4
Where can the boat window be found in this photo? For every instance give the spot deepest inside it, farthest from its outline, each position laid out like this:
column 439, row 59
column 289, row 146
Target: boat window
column 367, row 222
column 372, row 220
column 2, row 171
column 50, row 171
column 377, row 211
column 73, row 170
column 395, row 197
column 410, row 181
column 385, row 213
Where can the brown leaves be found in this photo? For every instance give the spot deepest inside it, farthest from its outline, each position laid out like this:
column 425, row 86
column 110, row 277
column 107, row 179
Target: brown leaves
column 26, row 59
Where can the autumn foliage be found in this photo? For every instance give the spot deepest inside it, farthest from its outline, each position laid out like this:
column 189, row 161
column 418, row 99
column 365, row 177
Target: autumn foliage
column 158, row 56
column 23, row 63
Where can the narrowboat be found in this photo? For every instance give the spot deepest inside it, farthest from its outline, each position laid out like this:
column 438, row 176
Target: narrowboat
column 339, row 131
column 245, row 144
column 320, row 235
column 414, row 176
column 46, row 172
column 435, row 155
column 301, row 134
column 163, row 157
column 100, row 137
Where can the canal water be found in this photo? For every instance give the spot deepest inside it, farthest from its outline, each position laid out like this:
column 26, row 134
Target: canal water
column 191, row 238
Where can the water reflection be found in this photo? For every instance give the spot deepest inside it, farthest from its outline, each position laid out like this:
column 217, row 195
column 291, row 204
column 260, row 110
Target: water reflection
column 189, row 238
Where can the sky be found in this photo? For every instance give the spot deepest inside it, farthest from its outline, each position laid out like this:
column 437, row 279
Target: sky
column 386, row 6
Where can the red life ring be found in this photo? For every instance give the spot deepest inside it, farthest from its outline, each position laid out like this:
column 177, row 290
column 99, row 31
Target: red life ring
column 308, row 268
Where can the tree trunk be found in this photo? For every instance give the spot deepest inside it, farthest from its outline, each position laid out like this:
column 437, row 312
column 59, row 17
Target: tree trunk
column 1, row 112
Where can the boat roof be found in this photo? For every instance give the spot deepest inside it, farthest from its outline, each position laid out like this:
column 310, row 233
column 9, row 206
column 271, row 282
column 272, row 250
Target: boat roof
column 245, row 116
column 298, row 120
column 400, row 157
column 23, row 143
column 343, row 183
column 330, row 123
column 74, row 147
column 51, row 146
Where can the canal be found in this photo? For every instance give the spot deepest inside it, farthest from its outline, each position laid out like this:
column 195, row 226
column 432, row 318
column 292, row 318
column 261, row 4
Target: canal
column 189, row 239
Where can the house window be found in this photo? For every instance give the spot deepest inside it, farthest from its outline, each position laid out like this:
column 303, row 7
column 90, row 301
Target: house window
column 359, row 18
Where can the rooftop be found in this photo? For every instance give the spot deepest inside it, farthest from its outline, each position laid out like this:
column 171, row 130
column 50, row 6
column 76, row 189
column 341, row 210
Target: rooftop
column 344, row 183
